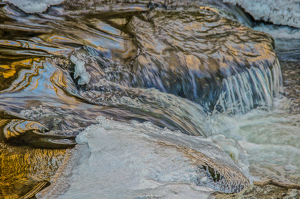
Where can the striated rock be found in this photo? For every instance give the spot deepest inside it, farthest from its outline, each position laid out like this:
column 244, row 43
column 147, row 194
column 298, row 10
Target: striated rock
column 266, row 189
column 269, row 191
column 292, row 84
column 201, row 55
column 195, row 52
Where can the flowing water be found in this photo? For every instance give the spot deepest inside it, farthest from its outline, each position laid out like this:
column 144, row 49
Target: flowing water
column 189, row 84
column 270, row 138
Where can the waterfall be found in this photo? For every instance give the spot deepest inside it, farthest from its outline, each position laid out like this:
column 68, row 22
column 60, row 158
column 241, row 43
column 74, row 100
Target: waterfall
column 250, row 89
column 151, row 83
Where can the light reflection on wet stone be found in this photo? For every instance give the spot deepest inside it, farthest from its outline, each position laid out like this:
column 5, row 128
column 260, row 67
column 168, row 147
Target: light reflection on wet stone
column 21, row 168
column 63, row 67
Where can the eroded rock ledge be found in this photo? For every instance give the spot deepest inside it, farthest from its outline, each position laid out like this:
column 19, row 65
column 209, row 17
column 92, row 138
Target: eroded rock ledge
column 266, row 189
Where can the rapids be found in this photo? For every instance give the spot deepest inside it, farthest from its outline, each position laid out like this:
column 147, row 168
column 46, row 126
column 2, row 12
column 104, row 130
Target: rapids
column 166, row 99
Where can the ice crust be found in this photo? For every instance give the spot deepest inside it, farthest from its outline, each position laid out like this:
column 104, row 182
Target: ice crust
column 285, row 12
column 279, row 12
column 279, row 31
column 31, row 6
column 138, row 160
column 80, row 71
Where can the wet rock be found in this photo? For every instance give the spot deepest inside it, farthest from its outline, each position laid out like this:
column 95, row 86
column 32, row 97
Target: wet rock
column 24, row 167
column 170, row 61
column 292, row 193
column 290, row 72
column 193, row 52
column 266, row 189
column 148, row 42
column 138, row 104
column 266, row 192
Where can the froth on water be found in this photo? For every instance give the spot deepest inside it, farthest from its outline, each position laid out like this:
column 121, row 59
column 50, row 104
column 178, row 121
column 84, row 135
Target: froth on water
column 270, row 137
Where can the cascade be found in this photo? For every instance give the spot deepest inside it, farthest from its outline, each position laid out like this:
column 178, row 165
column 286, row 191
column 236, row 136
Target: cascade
column 145, row 87
column 250, row 89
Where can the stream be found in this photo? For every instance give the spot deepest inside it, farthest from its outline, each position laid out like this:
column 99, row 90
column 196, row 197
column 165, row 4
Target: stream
column 141, row 100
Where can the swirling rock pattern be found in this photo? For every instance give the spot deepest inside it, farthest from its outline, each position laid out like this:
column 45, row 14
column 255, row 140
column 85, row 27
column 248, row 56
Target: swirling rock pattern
column 169, row 63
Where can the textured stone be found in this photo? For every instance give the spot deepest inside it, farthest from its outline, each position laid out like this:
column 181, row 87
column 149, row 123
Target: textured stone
column 265, row 192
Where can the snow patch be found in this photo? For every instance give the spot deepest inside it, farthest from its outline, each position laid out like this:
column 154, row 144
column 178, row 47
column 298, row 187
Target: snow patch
column 31, row 6
column 80, row 71
column 140, row 160
column 279, row 12
column 279, row 31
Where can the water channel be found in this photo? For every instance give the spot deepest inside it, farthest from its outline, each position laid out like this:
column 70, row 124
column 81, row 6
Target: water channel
column 155, row 97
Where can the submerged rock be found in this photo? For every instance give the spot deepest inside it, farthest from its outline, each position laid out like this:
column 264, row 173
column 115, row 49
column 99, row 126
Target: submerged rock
column 193, row 52
column 128, row 61
column 30, row 132
column 201, row 55
column 22, row 168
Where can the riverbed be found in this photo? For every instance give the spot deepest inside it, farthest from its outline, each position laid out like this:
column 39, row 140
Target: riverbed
column 157, row 112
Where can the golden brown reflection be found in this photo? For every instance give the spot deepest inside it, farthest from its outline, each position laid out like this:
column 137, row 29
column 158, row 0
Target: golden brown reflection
column 21, row 168
column 7, row 71
column 11, row 71
column 126, row 49
column 10, row 43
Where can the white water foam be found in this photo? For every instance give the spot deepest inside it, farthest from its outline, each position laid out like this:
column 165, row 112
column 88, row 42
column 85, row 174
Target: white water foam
column 270, row 137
